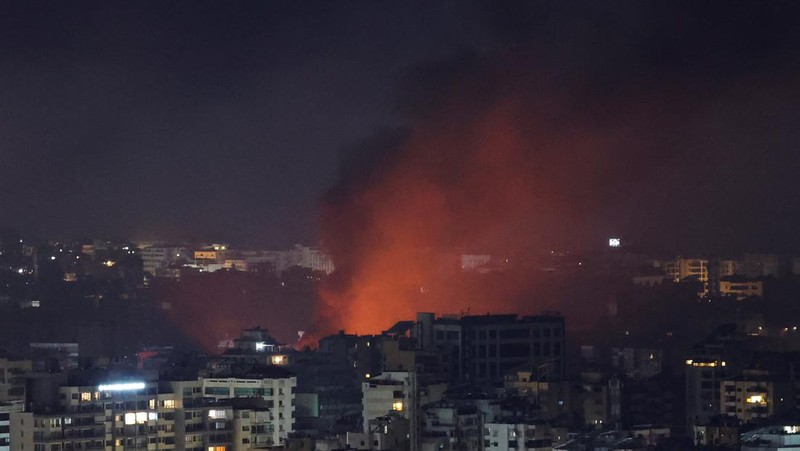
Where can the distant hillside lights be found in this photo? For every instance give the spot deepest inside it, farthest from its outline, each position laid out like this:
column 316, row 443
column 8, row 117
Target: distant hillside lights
column 171, row 260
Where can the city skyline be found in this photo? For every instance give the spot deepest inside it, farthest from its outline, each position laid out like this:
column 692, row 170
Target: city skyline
column 372, row 225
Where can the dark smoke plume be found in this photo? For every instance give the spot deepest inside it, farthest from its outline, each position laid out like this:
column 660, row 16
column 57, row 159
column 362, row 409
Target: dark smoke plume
column 500, row 157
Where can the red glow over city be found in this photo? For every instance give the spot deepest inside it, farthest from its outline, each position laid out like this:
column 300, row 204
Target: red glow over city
column 510, row 176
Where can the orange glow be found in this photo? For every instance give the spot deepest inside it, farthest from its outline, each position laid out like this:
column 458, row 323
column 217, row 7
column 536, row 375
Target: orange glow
column 501, row 159
column 506, row 179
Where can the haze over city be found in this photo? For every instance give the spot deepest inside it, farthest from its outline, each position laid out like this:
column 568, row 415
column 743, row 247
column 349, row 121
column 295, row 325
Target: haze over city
column 373, row 225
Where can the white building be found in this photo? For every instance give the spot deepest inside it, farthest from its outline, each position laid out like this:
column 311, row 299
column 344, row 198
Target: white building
column 253, row 428
column 302, row 256
column 278, row 391
column 5, row 417
column 155, row 258
column 515, row 436
column 390, row 392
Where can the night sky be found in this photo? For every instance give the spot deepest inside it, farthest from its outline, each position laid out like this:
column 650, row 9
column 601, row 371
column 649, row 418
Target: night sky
column 232, row 120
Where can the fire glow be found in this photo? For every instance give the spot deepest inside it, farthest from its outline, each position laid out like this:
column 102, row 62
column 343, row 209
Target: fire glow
column 486, row 172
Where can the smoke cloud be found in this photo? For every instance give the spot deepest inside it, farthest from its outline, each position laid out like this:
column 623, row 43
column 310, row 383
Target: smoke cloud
column 499, row 158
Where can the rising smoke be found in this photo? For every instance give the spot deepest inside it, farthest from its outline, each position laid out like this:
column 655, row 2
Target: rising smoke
column 499, row 158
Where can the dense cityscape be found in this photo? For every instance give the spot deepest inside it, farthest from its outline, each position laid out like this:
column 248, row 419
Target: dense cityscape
column 714, row 365
column 399, row 225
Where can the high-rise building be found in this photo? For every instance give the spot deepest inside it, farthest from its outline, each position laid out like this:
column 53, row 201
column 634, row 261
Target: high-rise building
column 484, row 348
column 5, row 420
column 197, row 415
column 495, row 344
column 703, row 378
column 273, row 385
column 391, row 392
column 12, row 380
column 113, row 415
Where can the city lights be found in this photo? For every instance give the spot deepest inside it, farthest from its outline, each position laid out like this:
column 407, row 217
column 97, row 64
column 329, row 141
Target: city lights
column 122, row 386
column 279, row 360
column 337, row 227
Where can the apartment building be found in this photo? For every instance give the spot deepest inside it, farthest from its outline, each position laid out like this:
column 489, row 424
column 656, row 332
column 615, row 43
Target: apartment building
column 195, row 415
column 113, row 416
column 155, row 259
column 5, row 420
column 515, row 435
column 391, row 392
column 703, row 377
column 274, row 386
column 12, row 380
column 753, row 396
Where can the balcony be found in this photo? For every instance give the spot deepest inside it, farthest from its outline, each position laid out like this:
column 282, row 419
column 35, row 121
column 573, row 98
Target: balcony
column 85, row 433
column 47, row 437
column 87, row 408
column 195, row 427
column 220, row 439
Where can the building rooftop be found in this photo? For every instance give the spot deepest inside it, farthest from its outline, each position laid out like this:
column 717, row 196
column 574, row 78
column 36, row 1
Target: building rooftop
column 400, row 328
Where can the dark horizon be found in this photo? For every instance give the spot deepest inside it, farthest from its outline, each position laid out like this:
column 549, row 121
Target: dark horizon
column 235, row 122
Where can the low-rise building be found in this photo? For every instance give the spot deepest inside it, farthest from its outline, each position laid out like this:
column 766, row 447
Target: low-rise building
column 741, row 288
column 518, row 436
column 772, row 438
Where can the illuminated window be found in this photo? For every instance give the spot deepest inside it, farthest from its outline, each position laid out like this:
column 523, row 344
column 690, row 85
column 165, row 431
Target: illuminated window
column 169, row 403
column 756, row 399
column 86, row 396
column 397, row 406
column 216, row 448
column 217, row 414
column 130, row 418
column 279, row 360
